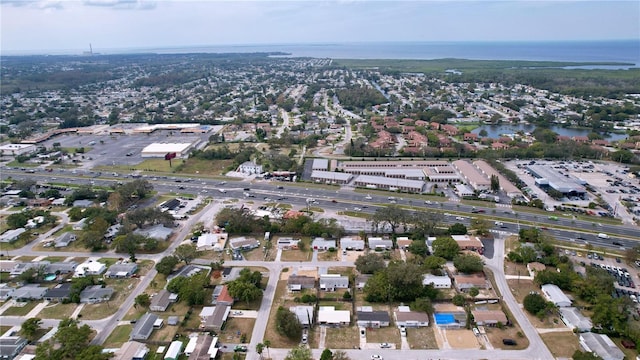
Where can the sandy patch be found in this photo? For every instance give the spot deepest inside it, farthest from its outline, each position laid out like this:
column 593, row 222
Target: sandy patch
column 462, row 339
column 447, row 307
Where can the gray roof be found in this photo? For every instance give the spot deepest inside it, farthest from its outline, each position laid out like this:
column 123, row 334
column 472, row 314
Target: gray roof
column 575, row 318
column 29, row 292
column 323, row 243
column 60, row 291
column 64, row 239
column 602, row 345
column 161, row 301
column 124, row 268
column 334, row 282
column 555, row 179
column 82, row 203
column 10, row 346
column 156, row 232
column 330, row 175
column 62, row 267
column 189, row 270
column 374, row 243
column 381, row 316
column 320, row 164
column 304, row 313
column 391, row 182
column 22, row 267
column 96, row 293
column 143, row 328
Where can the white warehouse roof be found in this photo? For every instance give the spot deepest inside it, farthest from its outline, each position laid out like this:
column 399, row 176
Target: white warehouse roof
column 164, row 148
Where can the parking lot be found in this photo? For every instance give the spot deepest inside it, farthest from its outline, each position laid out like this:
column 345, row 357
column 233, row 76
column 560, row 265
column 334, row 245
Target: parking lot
column 112, row 150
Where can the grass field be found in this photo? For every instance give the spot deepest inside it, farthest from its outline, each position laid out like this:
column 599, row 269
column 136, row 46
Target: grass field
column 422, row 338
column 58, row 311
column 20, row 310
column 342, row 338
column 561, row 344
column 389, row 334
column 118, row 336
column 235, row 326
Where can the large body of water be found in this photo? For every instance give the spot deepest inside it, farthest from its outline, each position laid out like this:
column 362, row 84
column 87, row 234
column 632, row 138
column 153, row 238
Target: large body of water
column 494, row 131
column 627, row 51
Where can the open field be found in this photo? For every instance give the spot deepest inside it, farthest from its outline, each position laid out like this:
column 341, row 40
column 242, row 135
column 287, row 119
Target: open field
column 496, row 335
column 57, row 311
column 342, row 338
column 20, row 310
column 295, row 255
column 389, row 334
column 561, row 344
column 279, row 299
column 119, row 336
column 462, row 339
column 422, row 338
column 235, row 326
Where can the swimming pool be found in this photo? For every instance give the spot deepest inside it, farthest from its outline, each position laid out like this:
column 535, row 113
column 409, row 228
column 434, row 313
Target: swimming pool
column 50, row 277
column 444, row 318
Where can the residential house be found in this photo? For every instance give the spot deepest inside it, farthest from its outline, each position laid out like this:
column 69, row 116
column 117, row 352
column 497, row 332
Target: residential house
column 403, row 242
column 20, row 268
column 410, row 319
column 122, row 270
column 11, row 235
column 328, row 315
column 189, row 271
column 470, row 137
column 224, row 298
column 361, row 281
column 174, row 351
column 58, row 293
column 96, row 294
column 82, row 203
column 372, row 319
column 65, row 239
column 161, row 301
column 243, row 243
column 61, row 267
column 323, row 244
column 131, row 350
column 90, row 267
column 573, row 318
column 143, row 327
column 304, row 313
column 469, row 242
column 29, row 292
column 438, row 282
column 208, row 241
column 352, row 243
column 378, row 243
column 333, row 282
column 449, row 129
column 489, row 317
column 5, row 292
column 299, row 282
column 219, row 316
column 601, row 345
column 11, row 346
column 79, row 225
column 158, row 232
column 466, row 282
column 288, row 243
column 534, row 267
column 555, row 295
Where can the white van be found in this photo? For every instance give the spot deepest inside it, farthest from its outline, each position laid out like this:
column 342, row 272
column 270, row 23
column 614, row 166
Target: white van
column 603, row 236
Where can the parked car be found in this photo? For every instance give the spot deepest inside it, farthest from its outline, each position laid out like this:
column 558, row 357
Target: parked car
column 240, row 348
column 509, row 342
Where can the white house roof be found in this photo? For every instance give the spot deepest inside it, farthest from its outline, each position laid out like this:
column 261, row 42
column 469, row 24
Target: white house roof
column 329, row 315
column 555, row 295
column 91, row 267
column 435, row 280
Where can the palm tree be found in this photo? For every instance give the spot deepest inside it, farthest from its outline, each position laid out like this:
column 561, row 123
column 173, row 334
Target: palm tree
column 259, row 348
column 267, row 344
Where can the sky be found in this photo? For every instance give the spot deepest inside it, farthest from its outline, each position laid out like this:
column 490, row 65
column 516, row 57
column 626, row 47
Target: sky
column 40, row 26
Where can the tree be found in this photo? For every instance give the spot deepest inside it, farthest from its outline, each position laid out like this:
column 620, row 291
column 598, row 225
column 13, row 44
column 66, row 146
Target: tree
column 340, row 355
column 299, row 352
column 390, row 215
column 534, row 303
column 422, row 304
column 287, row 324
column 243, row 290
column 142, row 300
column 424, row 223
column 433, row 262
column 418, row 247
column 579, row 355
column 30, row 327
column 495, row 183
column 481, row 226
column 457, row 229
column 166, row 264
column 369, row 263
column 259, row 349
column 458, row 300
column 267, row 344
column 191, row 289
column 468, row 263
column 186, row 253
column 445, row 247
column 326, row 355
column 72, row 343
column 473, row 292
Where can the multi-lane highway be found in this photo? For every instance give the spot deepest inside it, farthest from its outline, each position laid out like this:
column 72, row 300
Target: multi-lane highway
column 564, row 229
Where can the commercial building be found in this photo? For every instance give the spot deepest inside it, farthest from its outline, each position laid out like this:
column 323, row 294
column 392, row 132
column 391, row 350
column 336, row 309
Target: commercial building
column 379, row 182
column 507, row 186
column 472, row 175
column 548, row 177
column 250, row 168
column 17, row 149
column 320, row 164
column 159, row 150
column 330, row 177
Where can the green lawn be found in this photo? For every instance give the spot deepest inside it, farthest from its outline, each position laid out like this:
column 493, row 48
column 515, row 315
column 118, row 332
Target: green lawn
column 119, row 336
column 20, row 310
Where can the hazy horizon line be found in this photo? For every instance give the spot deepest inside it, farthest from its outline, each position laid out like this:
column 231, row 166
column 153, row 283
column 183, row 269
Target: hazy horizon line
column 98, row 50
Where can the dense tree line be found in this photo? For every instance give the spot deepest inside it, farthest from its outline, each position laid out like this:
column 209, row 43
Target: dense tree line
column 359, row 97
